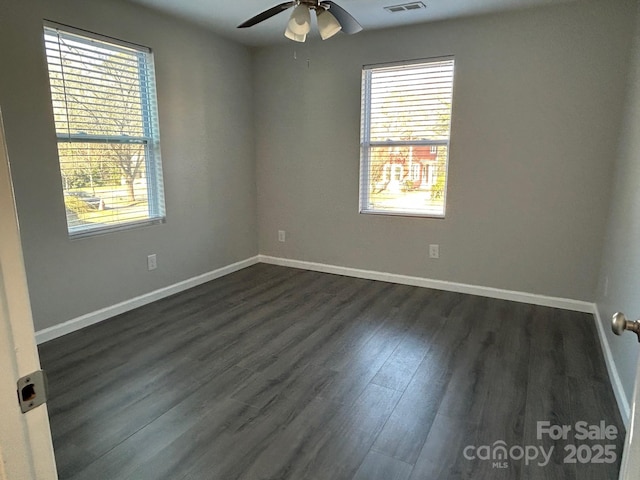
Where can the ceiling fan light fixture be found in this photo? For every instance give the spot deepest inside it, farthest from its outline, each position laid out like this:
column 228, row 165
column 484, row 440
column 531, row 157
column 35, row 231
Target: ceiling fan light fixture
column 328, row 25
column 294, row 36
column 299, row 24
column 300, row 21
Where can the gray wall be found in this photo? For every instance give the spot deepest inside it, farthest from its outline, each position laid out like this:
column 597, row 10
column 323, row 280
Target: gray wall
column 537, row 107
column 620, row 272
column 206, row 127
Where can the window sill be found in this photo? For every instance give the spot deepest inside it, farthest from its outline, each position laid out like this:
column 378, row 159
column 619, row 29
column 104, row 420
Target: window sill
column 398, row 213
column 80, row 234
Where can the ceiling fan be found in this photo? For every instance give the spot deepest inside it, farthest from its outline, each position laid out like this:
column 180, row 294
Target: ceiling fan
column 331, row 19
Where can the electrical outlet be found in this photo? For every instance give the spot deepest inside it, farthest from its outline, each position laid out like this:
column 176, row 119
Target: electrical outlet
column 281, row 235
column 152, row 262
column 434, row 250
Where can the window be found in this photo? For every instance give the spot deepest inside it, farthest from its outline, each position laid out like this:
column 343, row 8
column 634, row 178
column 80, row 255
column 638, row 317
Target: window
column 406, row 120
column 106, row 120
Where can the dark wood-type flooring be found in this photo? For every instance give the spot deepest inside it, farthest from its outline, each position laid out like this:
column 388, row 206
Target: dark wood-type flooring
column 279, row 373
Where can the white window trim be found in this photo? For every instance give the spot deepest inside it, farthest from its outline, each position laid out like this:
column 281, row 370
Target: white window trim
column 366, row 144
column 151, row 138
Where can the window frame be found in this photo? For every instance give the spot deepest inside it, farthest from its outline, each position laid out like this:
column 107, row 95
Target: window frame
column 366, row 144
column 149, row 140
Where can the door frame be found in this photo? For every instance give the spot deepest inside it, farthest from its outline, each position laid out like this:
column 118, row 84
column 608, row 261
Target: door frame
column 631, row 453
column 26, row 448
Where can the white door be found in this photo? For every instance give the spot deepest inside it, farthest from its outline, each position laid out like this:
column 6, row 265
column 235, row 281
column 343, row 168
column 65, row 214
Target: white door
column 26, row 450
column 630, row 469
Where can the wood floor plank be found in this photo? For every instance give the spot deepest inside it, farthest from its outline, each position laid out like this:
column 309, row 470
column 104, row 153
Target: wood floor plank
column 264, row 387
column 377, row 466
column 279, row 373
column 326, row 440
column 441, row 456
column 344, row 444
column 400, row 367
column 232, row 454
column 591, row 402
column 293, row 343
column 208, row 409
column 155, row 341
column 408, row 426
column 78, row 348
column 294, row 444
column 583, row 355
column 548, row 400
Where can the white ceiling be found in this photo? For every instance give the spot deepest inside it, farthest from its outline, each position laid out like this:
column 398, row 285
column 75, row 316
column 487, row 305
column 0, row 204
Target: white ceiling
column 223, row 16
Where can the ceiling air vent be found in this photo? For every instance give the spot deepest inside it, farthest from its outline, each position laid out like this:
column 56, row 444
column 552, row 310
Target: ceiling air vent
column 405, row 7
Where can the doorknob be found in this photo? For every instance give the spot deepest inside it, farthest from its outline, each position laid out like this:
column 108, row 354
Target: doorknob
column 620, row 323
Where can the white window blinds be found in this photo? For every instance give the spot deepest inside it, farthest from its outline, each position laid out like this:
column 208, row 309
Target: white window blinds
column 405, row 131
column 105, row 112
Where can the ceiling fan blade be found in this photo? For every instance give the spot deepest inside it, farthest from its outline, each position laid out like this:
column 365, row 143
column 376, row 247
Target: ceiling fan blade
column 261, row 17
column 349, row 24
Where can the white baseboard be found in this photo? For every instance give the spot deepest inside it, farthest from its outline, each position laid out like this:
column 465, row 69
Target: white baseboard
column 616, row 382
column 543, row 300
column 122, row 307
